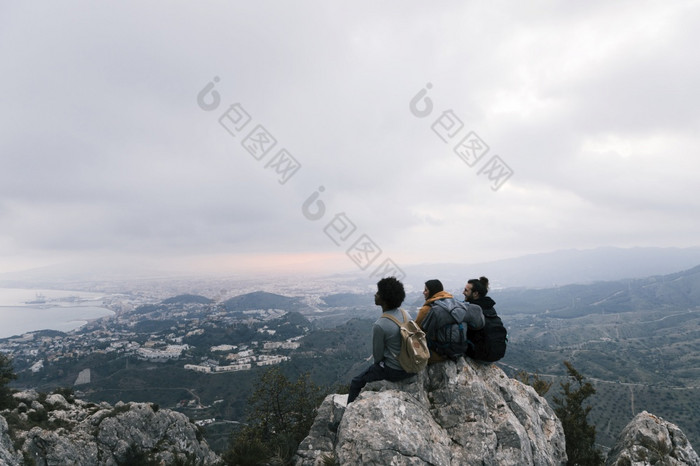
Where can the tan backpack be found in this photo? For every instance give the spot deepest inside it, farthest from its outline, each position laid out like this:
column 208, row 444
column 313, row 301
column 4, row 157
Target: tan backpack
column 414, row 353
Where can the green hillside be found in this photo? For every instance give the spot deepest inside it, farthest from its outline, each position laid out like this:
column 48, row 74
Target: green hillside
column 638, row 341
column 262, row 300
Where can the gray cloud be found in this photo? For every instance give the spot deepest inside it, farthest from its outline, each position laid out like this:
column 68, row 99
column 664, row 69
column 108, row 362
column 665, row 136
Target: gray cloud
column 105, row 150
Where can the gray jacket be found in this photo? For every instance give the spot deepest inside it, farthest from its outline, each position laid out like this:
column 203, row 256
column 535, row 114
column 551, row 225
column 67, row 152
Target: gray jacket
column 448, row 310
column 386, row 339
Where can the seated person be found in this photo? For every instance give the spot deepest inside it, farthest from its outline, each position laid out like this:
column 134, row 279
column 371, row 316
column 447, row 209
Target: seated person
column 446, row 322
column 386, row 339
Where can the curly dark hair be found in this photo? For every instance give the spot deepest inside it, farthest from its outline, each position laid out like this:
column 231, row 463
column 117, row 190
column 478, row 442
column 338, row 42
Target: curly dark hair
column 391, row 291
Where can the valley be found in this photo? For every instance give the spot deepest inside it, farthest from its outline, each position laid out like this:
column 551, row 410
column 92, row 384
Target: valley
column 637, row 341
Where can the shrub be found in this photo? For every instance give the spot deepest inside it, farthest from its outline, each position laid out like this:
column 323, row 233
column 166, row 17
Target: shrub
column 134, row 456
column 535, row 381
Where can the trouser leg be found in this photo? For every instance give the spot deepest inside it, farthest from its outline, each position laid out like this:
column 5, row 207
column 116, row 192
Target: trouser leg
column 393, row 375
column 371, row 374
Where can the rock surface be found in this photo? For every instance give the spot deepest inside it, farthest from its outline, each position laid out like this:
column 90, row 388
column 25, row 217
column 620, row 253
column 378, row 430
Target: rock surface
column 56, row 431
column 454, row 413
column 648, row 440
column 7, row 456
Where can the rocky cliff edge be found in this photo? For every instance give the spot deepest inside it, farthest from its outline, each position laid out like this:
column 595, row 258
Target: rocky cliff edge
column 50, row 430
column 453, row 413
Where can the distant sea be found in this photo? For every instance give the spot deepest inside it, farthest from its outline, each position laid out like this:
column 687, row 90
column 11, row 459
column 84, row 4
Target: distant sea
column 23, row 310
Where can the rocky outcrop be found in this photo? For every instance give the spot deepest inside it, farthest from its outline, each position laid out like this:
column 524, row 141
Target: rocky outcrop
column 648, row 440
column 7, row 455
column 454, row 413
column 50, row 430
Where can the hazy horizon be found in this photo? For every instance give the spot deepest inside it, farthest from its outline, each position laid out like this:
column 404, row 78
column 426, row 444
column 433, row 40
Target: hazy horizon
column 573, row 266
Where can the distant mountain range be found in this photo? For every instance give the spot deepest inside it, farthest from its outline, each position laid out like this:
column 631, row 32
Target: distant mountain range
column 561, row 267
column 680, row 290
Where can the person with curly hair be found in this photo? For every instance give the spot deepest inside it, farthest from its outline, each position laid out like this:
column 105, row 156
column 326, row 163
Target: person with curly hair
column 386, row 339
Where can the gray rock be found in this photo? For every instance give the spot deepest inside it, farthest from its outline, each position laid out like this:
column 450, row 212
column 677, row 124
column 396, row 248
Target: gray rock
column 648, row 440
column 57, row 401
column 144, row 429
column 451, row 414
column 26, row 396
column 48, row 447
column 8, row 456
column 322, row 435
column 85, row 434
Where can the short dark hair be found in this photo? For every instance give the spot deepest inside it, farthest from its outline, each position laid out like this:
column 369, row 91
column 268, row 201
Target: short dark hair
column 480, row 285
column 391, row 291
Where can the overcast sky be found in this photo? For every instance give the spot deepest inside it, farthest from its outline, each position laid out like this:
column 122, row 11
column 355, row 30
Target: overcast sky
column 404, row 131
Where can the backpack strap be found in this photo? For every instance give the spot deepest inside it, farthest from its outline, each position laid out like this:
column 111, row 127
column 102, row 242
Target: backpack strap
column 394, row 319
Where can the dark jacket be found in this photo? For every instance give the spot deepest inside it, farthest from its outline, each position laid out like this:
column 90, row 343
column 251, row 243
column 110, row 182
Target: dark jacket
column 485, row 302
column 489, row 343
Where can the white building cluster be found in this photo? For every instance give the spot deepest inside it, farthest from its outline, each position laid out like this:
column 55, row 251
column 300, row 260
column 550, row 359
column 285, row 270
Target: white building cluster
column 245, row 359
column 169, row 352
column 272, row 345
column 246, row 364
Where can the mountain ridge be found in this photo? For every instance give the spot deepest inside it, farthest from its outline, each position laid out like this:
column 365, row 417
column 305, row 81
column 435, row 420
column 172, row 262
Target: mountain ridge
column 562, row 267
column 262, row 300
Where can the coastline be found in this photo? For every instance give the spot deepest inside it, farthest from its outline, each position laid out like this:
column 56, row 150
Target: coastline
column 19, row 320
column 29, row 310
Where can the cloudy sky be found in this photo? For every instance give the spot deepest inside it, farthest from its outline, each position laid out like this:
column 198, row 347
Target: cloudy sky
column 327, row 136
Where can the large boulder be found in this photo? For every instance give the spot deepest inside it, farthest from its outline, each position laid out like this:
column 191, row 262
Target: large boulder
column 454, row 413
column 649, row 440
column 79, row 433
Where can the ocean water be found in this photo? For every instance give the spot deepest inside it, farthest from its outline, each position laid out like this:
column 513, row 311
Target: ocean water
column 23, row 310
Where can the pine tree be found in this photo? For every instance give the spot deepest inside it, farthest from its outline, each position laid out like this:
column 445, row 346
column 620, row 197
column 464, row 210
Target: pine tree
column 580, row 436
column 7, row 374
column 281, row 414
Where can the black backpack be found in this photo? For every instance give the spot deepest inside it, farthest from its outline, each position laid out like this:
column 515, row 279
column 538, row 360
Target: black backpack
column 489, row 343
